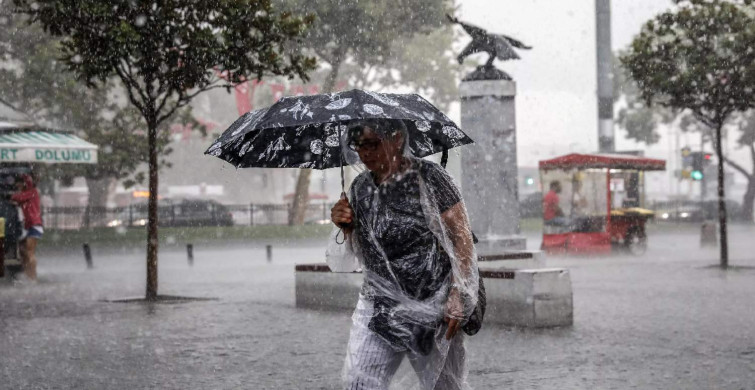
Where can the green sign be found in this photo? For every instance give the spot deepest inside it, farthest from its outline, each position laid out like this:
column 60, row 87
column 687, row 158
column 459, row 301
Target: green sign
column 8, row 154
column 48, row 156
column 54, row 155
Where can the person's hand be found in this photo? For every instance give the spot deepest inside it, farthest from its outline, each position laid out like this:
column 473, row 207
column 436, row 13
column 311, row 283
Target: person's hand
column 341, row 214
column 454, row 313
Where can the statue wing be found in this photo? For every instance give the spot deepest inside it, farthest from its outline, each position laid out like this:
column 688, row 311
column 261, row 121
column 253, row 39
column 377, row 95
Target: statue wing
column 516, row 43
column 474, row 31
column 503, row 49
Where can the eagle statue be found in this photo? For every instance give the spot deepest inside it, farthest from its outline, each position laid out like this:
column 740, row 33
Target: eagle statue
column 496, row 45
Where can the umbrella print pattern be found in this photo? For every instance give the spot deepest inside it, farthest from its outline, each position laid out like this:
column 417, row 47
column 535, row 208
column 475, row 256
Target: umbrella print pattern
column 307, row 131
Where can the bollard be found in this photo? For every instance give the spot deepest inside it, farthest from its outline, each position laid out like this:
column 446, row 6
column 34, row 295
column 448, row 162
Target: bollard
column 88, row 255
column 190, row 254
column 2, row 247
column 708, row 235
column 269, row 249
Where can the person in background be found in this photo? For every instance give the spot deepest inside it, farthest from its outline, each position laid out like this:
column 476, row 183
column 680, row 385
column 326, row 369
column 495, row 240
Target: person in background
column 27, row 197
column 552, row 213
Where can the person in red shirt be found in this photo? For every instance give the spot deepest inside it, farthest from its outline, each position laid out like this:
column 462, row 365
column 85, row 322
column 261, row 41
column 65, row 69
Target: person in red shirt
column 552, row 213
column 28, row 199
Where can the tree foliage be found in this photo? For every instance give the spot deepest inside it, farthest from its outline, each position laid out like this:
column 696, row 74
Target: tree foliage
column 166, row 53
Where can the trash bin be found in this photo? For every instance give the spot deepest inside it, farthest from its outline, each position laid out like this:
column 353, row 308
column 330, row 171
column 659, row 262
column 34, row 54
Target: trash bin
column 2, row 247
column 708, row 236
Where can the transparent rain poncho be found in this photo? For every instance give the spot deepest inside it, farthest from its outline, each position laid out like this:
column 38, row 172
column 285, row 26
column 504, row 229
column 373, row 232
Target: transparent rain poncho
column 412, row 240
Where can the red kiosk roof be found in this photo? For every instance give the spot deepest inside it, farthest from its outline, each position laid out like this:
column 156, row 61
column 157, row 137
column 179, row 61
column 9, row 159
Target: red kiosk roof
column 609, row 161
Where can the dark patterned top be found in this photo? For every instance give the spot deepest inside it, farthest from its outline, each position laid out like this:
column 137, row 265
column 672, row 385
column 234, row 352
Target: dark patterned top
column 390, row 219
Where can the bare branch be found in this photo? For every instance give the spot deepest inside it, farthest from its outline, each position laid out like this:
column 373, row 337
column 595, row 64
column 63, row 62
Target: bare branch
column 164, row 100
column 703, row 118
column 738, row 168
column 127, row 76
column 129, row 88
column 170, row 112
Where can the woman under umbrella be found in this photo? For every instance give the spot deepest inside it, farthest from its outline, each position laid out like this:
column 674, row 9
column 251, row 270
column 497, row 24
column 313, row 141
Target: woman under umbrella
column 405, row 221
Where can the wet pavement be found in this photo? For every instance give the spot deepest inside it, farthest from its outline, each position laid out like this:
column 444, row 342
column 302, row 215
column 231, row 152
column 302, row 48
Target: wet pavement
column 662, row 321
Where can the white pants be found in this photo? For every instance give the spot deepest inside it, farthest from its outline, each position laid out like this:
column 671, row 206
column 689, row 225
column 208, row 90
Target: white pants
column 371, row 362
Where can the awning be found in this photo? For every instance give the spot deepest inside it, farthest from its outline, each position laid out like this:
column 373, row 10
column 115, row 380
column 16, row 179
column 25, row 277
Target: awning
column 609, row 161
column 44, row 146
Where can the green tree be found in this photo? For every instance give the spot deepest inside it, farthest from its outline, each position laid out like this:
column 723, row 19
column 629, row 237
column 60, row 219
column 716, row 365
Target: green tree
column 640, row 122
column 41, row 86
column 379, row 43
column 699, row 57
column 166, row 53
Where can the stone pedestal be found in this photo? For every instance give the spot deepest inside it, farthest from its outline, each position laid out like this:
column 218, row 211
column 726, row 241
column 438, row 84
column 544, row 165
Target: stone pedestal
column 489, row 171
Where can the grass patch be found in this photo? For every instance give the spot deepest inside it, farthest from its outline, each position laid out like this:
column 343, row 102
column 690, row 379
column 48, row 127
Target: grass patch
column 55, row 239
column 530, row 225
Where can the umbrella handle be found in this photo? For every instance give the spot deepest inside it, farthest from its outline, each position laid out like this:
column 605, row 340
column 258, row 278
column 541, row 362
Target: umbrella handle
column 444, row 158
column 342, row 225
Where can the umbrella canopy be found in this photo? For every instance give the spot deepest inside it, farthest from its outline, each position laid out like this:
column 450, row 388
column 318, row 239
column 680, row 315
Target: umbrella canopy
column 307, row 131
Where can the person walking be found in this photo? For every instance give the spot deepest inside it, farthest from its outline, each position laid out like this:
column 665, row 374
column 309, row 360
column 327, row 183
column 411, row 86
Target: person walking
column 27, row 198
column 406, row 223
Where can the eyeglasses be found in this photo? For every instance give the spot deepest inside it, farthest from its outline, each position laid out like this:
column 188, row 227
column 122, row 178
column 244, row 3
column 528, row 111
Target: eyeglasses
column 367, row 146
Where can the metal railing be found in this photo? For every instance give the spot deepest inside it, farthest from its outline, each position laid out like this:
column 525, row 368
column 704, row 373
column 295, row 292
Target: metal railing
column 180, row 215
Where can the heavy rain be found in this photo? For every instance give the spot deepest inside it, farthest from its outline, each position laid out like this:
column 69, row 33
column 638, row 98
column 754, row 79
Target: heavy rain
column 373, row 194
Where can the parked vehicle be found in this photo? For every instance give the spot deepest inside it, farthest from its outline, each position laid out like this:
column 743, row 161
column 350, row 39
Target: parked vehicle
column 695, row 211
column 187, row 212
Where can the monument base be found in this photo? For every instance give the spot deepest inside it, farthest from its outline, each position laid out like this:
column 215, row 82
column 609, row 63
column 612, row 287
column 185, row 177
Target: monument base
column 494, row 245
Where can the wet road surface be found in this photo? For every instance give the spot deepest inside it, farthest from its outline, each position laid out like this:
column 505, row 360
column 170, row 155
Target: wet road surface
column 662, row 321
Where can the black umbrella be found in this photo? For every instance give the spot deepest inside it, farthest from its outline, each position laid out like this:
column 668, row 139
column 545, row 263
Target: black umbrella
column 307, row 131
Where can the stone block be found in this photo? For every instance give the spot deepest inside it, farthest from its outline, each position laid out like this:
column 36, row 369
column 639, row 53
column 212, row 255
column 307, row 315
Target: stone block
column 528, row 297
column 532, row 298
column 512, row 260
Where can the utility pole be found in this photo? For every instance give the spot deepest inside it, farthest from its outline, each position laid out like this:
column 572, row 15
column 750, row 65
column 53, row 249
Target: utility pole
column 605, row 71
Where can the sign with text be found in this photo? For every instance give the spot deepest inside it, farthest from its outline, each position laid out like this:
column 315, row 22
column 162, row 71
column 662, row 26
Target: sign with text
column 48, row 155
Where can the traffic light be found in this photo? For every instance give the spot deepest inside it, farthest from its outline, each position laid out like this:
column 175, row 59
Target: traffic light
column 529, row 180
column 700, row 160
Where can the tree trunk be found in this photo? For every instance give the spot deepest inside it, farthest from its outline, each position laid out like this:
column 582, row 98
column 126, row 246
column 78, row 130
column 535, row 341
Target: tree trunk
column 721, row 200
column 152, row 211
column 749, row 199
column 99, row 190
column 301, row 194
